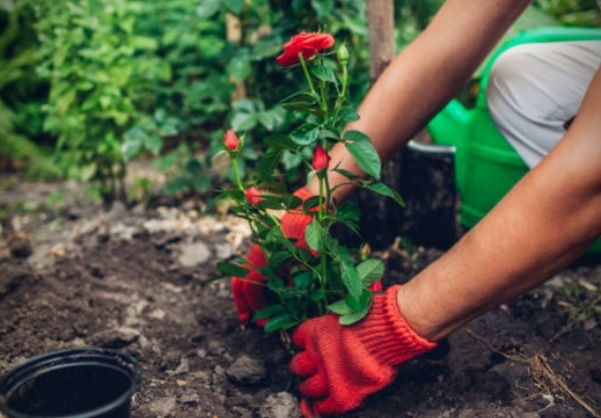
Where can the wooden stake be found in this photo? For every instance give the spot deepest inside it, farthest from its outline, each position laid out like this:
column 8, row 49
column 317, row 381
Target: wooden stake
column 380, row 23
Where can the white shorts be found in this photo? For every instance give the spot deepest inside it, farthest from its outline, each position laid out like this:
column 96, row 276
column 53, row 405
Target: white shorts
column 536, row 89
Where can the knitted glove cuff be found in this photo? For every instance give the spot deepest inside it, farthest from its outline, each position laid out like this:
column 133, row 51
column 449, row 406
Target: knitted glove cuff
column 386, row 334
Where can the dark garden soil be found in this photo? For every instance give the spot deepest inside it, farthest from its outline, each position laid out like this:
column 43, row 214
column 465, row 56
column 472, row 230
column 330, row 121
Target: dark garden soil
column 134, row 280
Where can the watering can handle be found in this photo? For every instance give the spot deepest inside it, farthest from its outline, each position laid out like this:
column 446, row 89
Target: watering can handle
column 448, row 126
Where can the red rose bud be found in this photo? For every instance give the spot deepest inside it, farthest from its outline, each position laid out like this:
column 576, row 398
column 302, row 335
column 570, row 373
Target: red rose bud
column 231, row 140
column 321, row 159
column 307, row 44
column 253, row 195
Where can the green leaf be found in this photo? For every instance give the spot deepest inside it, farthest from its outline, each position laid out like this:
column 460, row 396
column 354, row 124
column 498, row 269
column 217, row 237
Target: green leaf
column 88, row 171
column 340, row 308
column 317, row 295
column 177, row 185
column 270, row 118
column 349, row 211
column 349, row 274
column 269, row 311
column 235, row 6
column 302, row 280
column 314, row 235
column 349, row 319
column 230, row 269
column 234, row 194
column 269, row 162
column 384, row 190
column 134, row 138
column 353, row 135
column 306, row 134
column 346, row 173
column 280, row 322
column 366, row 156
column 310, row 203
column 323, row 8
column 208, row 8
column 194, row 167
column 323, row 73
column 290, row 201
column 275, row 235
column 265, row 48
column 271, row 202
column 301, row 102
column 360, row 302
column 239, row 68
column 349, row 116
column 281, row 141
column 201, row 183
column 153, row 143
column 64, row 102
column 370, row 271
column 144, row 42
column 243, row 121
column 291, row 160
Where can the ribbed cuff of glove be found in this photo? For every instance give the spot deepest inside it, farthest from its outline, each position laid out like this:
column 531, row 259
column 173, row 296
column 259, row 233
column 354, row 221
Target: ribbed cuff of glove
column 386, row 334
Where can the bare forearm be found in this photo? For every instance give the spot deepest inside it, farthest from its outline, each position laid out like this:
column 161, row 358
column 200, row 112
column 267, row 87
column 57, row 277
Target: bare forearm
column 425, row 75
column 540, row 227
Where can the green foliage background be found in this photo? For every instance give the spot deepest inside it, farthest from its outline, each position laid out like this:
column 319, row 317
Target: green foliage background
column 88, row 85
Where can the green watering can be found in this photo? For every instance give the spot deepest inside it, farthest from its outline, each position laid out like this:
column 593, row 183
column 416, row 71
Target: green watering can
column 486, row 166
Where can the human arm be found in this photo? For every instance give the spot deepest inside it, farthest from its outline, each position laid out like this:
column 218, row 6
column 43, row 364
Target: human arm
column 540, row 227
column 424, row 76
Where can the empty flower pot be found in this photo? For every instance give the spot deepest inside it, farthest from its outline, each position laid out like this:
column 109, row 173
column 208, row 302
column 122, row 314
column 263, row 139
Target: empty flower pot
column 75, row 383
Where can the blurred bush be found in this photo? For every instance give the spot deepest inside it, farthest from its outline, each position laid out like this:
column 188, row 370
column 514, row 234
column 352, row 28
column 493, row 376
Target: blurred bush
column 118, row 79
column 22, row 93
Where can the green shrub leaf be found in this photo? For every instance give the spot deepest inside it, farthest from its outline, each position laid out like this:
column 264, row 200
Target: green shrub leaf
column 340, row 308
column 314, row 235
column 306, row 134
column 370, row 271
column 384, row 190
column 323, row 73
column 366, row 156
column 350, row 275
column 280, row 322
column 230, row 269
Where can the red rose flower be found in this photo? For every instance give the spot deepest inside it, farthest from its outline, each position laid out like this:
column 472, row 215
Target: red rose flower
column 304, row 43
column 321, row 159
column 253, row 195
column 231, row 140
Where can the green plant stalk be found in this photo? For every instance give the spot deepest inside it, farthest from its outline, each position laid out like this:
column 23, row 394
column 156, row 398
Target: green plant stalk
column 234, row 158
column 324, row 102
column 307, row 75
column 322, row 256
column 344, row 86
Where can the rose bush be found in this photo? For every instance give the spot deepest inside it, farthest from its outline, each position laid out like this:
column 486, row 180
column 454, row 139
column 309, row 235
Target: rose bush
column 304, row 269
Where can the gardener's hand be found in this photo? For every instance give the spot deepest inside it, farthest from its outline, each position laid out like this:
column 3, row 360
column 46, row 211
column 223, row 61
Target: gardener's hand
column 248, row 291
column 343, row 364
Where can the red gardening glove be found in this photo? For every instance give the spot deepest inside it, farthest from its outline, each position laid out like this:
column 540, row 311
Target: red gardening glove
column 248, row 291
column 343, row 364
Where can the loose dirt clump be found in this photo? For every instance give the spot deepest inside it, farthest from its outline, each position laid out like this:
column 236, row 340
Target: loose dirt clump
column 136, row 280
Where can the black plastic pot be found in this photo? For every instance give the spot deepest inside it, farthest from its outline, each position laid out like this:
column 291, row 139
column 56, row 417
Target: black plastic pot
column 76, row 383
